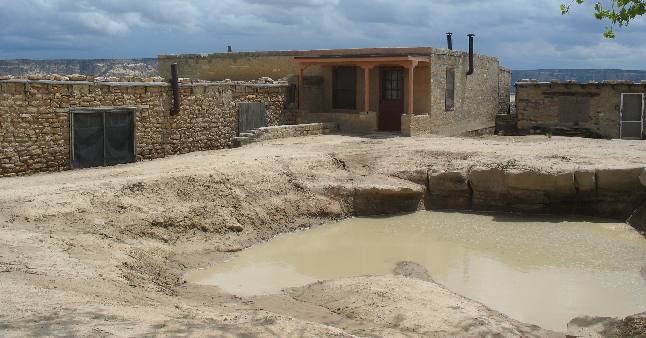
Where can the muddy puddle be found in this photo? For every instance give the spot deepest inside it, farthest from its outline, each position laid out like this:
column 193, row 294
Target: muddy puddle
column 543, row 271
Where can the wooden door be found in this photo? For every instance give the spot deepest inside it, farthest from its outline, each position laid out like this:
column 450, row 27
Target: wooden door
column 391, row 102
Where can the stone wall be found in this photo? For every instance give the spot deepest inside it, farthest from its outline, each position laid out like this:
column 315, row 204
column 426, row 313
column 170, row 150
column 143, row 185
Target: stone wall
column 248, row 66
column 477, row 97
column 356, row 122
column 538, row 105
column 285, row 131
column 615, row 193
column 35, row 118
column 504, row 90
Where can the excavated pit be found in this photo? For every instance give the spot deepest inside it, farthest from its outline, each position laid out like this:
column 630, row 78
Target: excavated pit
column 105, row 250
column 540, row 270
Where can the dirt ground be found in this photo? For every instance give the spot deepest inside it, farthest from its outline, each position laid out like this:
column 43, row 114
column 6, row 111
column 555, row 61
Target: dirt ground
column 102, row 252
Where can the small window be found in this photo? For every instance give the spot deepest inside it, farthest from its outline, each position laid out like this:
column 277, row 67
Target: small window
column 449, row 100
column 345, row 88
column 391, row 89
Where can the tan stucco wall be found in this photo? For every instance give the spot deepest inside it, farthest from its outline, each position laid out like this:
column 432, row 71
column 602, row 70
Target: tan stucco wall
column 476, row 95
column 247, row 66
column 537, row 105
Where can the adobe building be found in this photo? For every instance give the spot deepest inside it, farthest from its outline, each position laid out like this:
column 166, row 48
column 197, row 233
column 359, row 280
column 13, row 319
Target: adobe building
column 412, row 91
column 610, row 109
column 55, row 122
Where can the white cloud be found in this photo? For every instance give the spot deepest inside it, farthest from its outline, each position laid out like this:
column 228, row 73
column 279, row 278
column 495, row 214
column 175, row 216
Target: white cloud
column 524, row 33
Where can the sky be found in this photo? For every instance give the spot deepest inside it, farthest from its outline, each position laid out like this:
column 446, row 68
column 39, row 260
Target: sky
column 524, row 34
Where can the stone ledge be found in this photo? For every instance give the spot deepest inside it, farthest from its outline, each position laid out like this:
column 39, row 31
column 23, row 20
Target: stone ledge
column 145, row 84
column 284, row 131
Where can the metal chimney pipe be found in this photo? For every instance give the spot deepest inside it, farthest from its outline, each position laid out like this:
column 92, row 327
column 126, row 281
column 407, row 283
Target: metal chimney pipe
column 174, row 82
column 449, row 40
column 470, row 54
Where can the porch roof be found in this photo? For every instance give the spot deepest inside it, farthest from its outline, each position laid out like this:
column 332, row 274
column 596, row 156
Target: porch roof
column 363, row 59
column 367, row 62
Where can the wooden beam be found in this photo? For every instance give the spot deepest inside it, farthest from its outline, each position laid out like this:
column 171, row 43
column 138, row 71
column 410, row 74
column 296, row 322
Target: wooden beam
column 360, row 60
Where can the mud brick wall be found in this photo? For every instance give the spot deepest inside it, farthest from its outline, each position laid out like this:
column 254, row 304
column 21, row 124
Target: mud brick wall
column 35, row 118
column 538, row 105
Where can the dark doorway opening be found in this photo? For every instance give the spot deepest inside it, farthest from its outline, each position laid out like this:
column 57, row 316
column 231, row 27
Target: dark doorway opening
column 102, row 137
column 391, row 99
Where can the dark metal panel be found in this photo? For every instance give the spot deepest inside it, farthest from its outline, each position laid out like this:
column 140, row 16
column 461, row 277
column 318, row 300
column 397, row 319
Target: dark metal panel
column 88, row 140
column 631, row 130
column 252, row 115
column 102, row 137
column 119, row 137
column 632, row 107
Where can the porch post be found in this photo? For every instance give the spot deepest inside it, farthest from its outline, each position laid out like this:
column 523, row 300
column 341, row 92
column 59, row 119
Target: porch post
column 411, row 86
column 366, row 86
column 299, row 90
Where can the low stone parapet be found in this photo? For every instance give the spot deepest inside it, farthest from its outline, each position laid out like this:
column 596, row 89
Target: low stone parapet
column 618, row 193
column 284, row 131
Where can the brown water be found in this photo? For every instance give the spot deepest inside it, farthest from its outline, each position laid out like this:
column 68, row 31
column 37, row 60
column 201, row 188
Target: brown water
column 543, row 271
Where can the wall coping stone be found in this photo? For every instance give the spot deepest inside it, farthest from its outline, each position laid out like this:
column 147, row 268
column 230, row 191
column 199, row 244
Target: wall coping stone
column 146, row 84
column 588, row 84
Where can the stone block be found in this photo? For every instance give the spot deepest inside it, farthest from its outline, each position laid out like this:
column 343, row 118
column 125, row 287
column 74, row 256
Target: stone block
column 380, row 196
column 449, row 190
column 620, row 180
column 530, row 180
column 489, row 189
column 488, row 179
column 585, row 181
column 564, row 186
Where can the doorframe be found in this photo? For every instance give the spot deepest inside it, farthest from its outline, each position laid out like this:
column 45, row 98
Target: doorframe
column 621, row 116
column 380, row 93
column 103, row 111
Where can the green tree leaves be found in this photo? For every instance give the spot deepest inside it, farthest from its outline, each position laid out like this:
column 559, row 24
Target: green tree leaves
column 616, row 12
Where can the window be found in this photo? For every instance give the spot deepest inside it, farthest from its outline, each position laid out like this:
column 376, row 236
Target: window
column 344, row 88
column 449, row 99
column 392, row 85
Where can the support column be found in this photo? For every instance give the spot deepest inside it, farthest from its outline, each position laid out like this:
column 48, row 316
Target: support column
column 411, row 86
column 366, row 86
column 299, row 90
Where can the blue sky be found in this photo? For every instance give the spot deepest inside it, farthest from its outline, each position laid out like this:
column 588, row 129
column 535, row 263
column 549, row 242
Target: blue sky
column 524, row 34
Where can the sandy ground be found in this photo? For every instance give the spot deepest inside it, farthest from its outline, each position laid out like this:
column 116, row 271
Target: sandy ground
column 101, row 252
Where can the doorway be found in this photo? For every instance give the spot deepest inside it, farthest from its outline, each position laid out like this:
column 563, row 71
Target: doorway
column 102, row 137
column 391, row 99
column 632, row 116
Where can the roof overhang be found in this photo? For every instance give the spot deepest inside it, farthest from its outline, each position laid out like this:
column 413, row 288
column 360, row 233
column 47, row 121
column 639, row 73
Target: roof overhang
column 362, row 60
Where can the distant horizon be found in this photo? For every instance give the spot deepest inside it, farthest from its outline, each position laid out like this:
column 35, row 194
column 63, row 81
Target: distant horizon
column 155, row 58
